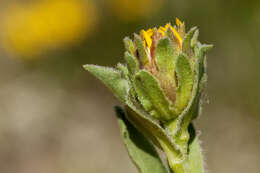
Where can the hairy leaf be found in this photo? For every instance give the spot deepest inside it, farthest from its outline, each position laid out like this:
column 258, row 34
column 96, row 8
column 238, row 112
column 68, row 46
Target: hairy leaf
column 185, row 81
column 194, row 39
column 188, row 38
column 132, row 63
column 195, row 157
column 141, row 50
column 111, row 78
column 149, row 127
column 165, row 59
column 129, row 45
column 140, row 150
column 195, row 154
column 152, row 96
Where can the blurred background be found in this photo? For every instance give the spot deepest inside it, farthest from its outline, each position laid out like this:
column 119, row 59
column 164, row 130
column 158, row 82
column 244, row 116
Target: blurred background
column 57, row 118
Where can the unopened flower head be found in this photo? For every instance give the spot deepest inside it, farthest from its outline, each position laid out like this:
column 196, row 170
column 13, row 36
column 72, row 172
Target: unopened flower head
column 161, row 86
column 167, row 54
column 174, row 35
column 162, row 69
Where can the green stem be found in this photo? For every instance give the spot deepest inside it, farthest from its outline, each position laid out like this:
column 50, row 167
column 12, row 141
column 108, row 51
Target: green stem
column 177, row 161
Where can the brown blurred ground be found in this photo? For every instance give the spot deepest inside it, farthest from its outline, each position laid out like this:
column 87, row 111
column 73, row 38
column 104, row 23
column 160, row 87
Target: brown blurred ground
column 56, row 118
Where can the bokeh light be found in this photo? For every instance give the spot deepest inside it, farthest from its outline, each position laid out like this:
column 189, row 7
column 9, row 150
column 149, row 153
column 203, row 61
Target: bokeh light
column 30, row 29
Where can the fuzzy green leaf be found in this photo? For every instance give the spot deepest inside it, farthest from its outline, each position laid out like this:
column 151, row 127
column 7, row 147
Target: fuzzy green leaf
column 111, row 78
column 132, row 63
column 200, row 55
column 164, row 56
column 200, row 80
column 185, row 81
column 149, row 127
column 123, row 69
column 191, row 111
column 188, row 38
column 195, row 157
column 152, row 96
column 165, row 60
column 141, row 50
column 144, row 124
column 194, row 39
column 129, row 45
column 140, row 150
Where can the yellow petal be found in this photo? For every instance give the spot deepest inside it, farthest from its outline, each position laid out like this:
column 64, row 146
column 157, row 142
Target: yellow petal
column 162, row 30
column 150, row 32
column 147, row 38
column 177, row 35
column 179, row 23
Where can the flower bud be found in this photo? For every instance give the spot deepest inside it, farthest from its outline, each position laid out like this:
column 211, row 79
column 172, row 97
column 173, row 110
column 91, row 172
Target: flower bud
column 161, row 63
column 161, row 85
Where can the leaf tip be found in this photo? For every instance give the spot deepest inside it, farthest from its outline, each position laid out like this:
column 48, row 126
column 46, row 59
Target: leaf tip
column 88, row 67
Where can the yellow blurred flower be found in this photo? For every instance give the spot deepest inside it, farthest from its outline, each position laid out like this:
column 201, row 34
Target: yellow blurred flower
column 30, row 29
column 131, row 10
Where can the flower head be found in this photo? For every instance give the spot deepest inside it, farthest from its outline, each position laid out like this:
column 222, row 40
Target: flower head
column 161, row 86
column 158, row 51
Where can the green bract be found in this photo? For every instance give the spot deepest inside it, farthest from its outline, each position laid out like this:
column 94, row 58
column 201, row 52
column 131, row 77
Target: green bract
column 160, row 85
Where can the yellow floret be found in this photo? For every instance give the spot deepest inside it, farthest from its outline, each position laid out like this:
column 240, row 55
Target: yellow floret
column 179, row 23
column 147, row 35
